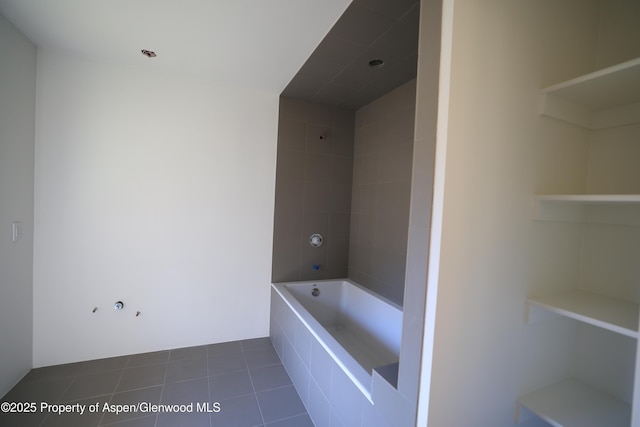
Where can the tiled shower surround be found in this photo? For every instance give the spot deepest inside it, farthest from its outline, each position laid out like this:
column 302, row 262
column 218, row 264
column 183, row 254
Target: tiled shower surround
column 313, row 191
column 352, row 186
column 383, row 155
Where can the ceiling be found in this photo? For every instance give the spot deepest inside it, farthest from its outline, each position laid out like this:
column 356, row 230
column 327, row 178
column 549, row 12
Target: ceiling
column 338, row 71
column 257, row 44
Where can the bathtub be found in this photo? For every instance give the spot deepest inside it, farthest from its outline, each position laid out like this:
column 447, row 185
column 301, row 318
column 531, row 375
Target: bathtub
column 331, row 334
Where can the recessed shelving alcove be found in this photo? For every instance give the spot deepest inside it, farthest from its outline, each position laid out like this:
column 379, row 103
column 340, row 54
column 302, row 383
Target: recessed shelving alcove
column 603, row 99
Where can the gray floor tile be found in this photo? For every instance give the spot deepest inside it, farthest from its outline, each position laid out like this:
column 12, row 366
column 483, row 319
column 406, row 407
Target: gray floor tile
column 148, row 358
column 132, row 397
column 280, row 403
column 256, row 343
column 269, row 377
column 49, row 391
column 260, row 357
column 103, row 365
column 185, row 392
column 87, row 419
column 53, row 372
column 297, row 421
column 232, row 347
column 148, row 421
column 199, row 352
column 225, row 363
column 22, row 419
column 230, row 385
column 245, row 377
column 185, row 369
column 142, row 376
column 84, row 386
column 195, row 419
column 240, row 411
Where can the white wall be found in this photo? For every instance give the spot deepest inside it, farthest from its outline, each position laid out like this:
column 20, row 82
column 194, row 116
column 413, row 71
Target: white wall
column 155, row 190
column 17, row 112
column 492, row 255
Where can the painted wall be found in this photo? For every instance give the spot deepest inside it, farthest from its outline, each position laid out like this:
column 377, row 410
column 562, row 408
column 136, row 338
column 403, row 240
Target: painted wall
column 313, row 191
column 152, row 189
column 383, row 151
column 499, row 153
column 618, row 32
column 17, row 130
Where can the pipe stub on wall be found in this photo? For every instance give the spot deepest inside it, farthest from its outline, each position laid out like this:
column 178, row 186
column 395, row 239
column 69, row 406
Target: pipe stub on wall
column 315, row 240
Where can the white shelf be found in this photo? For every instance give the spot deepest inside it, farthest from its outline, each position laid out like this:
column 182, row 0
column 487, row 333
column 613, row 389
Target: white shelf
column 608, row 313
column 591, row 198
column 605, row 98
column 573, row 404
column 620, row 209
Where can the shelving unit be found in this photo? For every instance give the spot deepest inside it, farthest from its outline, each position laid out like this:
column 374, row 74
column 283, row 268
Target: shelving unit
column 608, row 313
column 603, row 99
column 589, row 208
column 571, row 403
column 591, row 198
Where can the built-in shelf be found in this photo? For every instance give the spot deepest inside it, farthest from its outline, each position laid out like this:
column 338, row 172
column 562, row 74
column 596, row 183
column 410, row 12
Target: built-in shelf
column 591, row 198
column 602, row 99
column 621, row 209
column 613, row 314
column 571, row 403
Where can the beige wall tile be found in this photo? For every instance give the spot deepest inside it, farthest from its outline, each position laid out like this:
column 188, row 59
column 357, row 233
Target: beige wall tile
column 317, row 167
column 314, row 222
column 287, row 225
column 292, row 135
column 286, row 266
column 289, row 196
column 313, row 182
column 290, row 166
column 383, row 158
column 317, row 196
column 315, row 144
column 339, row 224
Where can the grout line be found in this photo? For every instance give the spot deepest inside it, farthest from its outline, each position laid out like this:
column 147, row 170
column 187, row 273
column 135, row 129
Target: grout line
column 116, row 423
column 208, row 384
column 255, row 394
column 289, row 417
column 162, row 390
column 114, row 392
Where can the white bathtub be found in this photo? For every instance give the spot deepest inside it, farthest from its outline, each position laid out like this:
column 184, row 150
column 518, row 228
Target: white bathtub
column 358, row 329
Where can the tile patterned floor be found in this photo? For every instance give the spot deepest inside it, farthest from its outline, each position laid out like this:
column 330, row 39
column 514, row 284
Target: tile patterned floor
column 245, row 378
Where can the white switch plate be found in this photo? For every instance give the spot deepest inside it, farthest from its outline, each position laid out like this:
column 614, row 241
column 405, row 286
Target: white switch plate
column 16, row 231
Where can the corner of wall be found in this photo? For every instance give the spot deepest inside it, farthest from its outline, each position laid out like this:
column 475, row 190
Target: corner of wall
column 17, row 133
